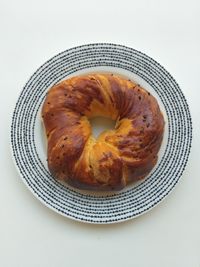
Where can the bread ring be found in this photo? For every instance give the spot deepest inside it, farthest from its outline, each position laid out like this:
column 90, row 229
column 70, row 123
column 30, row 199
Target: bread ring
column 117, row 157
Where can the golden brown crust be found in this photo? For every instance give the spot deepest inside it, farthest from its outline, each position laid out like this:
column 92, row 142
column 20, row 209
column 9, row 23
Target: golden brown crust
column 117, row 157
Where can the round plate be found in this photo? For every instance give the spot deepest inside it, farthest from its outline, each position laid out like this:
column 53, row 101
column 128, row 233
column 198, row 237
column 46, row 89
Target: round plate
column 29, row 146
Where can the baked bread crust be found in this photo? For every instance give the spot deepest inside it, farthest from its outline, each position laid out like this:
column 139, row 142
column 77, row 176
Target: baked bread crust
column 117, row 157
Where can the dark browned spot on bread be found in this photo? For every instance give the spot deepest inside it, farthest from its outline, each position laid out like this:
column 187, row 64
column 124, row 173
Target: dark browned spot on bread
column 142, row 130
column 117, row 92
column 105, row 157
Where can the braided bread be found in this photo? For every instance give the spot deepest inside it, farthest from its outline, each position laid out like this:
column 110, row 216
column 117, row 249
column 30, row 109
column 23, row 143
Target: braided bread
column 117, row 157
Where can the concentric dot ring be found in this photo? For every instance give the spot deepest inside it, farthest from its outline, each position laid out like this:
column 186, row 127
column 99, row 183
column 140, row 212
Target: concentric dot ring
column 119, row 206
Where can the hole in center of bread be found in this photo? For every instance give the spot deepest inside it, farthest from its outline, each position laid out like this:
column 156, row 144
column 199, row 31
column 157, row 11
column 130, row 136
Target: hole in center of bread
column 101, row 124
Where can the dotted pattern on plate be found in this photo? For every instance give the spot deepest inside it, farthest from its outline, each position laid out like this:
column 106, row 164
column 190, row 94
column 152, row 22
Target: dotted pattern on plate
column 118, row 206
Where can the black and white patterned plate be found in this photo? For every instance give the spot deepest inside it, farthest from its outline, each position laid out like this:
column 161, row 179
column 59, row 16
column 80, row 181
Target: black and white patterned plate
column 29, row 146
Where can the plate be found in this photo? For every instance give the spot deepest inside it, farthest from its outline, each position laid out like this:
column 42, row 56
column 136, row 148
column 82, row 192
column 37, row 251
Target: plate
column 29, row 146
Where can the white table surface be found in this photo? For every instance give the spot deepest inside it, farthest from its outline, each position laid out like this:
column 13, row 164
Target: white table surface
column 30, row 33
